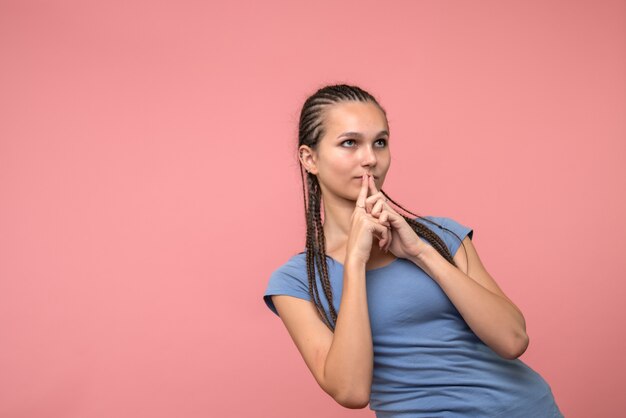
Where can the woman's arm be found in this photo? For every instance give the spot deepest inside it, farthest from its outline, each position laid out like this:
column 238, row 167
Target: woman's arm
column 350, row 362
column 341, row 362
column 492, row 316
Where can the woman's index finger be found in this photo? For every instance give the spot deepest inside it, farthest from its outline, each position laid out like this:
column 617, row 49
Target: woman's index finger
column 360, row 202
column 372, row 185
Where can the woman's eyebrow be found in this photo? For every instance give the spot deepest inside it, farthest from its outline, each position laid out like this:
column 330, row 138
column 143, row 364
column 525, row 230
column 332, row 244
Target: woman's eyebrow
column 360, row 135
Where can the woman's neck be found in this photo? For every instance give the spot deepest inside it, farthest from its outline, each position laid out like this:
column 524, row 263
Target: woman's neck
column 337, row 222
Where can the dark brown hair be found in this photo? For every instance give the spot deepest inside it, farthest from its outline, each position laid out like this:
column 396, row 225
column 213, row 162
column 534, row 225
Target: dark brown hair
column 310, row 132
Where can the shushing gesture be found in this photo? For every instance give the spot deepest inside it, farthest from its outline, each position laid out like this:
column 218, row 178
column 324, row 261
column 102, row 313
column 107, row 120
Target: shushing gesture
column 374, row 217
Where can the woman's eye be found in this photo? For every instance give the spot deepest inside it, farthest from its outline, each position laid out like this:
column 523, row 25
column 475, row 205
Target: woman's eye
column 383, row 142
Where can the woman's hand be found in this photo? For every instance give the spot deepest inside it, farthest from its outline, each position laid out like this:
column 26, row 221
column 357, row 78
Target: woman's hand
column 403, row 242
column 364, row 227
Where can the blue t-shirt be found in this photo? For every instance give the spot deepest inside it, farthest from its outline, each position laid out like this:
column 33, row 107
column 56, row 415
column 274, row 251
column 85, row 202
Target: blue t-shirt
column 427, row 361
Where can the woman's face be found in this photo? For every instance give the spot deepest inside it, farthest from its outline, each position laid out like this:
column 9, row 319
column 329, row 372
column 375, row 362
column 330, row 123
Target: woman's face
column 355, row 142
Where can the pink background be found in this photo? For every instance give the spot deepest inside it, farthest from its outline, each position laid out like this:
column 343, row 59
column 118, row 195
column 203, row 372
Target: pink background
column 149, row 186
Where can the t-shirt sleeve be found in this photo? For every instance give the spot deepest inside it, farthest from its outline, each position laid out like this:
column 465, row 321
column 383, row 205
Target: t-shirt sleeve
column 286, row 280
column 455, row 233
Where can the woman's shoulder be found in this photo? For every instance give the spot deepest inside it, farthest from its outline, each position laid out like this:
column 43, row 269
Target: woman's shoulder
column 293, row 266
column 288, row 279
column 434, row 223
column 438, row 222
column 449, row 229
column 429, row 220
column 296, row 259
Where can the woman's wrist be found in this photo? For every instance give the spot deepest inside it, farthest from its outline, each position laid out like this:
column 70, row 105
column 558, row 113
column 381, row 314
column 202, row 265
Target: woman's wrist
column 423, row 256
column 354, row 262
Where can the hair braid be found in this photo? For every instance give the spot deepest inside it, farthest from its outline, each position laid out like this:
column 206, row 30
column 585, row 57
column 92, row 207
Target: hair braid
column 312, row 249
column 322, row 266
column 310, row 132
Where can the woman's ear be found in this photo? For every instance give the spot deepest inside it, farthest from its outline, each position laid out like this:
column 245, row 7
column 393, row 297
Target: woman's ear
column 308, row 159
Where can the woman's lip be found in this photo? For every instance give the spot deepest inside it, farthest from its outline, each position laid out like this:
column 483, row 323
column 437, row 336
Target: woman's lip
column 362, row 176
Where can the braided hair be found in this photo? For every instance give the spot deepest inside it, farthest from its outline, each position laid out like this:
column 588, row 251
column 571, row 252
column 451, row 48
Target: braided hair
column 310, row 132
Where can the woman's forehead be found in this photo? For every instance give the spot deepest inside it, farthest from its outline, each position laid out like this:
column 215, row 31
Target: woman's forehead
column 355, row 116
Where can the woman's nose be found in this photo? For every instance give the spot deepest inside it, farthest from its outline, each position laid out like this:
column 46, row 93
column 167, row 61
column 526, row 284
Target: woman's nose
column 369, row 156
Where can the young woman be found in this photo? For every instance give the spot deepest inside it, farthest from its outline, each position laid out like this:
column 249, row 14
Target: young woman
column 383, row 308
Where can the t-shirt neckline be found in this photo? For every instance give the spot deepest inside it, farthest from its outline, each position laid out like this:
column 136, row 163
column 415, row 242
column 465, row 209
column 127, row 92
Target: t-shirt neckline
column 368, row 271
